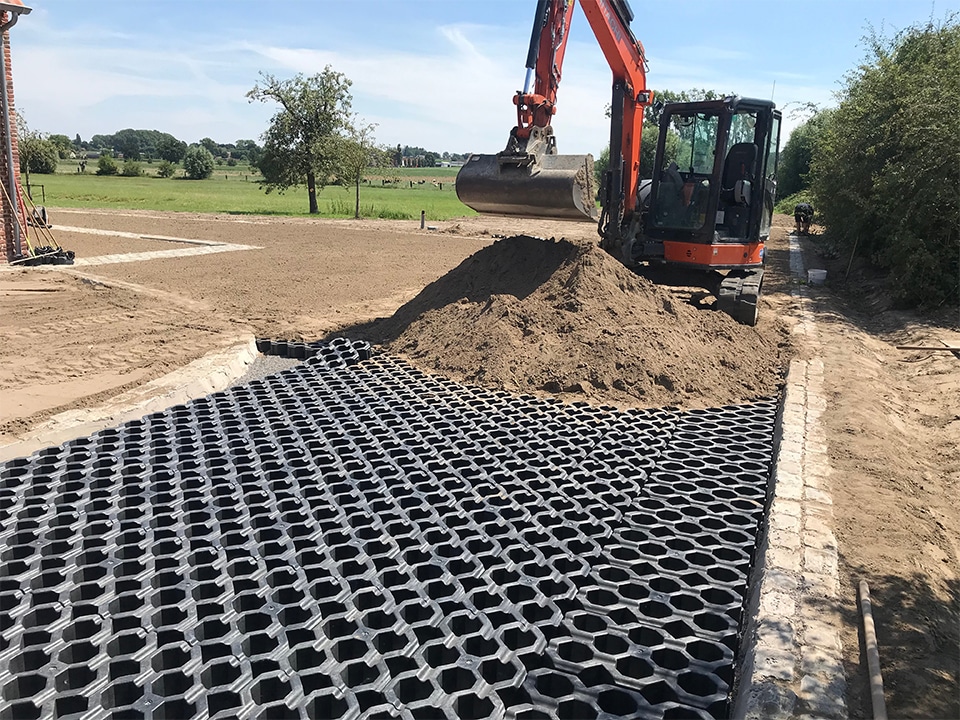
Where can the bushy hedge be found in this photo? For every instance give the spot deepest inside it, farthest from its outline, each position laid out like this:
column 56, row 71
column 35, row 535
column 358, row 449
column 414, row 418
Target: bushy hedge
column 886, row 168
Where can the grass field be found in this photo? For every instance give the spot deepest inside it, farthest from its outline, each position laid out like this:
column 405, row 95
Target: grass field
column 235, row 190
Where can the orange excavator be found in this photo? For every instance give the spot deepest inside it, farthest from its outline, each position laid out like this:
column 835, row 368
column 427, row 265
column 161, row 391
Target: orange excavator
column 709, row 201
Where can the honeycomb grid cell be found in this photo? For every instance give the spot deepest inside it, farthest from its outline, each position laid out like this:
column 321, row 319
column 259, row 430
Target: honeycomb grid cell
column 352, row 537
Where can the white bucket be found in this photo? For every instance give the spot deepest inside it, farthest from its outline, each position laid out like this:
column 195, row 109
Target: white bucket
column 816, row 277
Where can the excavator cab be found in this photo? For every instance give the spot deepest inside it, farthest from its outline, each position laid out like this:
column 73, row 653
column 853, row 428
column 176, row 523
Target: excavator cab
column 711, row 197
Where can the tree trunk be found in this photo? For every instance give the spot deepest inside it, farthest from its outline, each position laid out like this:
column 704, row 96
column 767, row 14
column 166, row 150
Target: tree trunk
column 357, row 213
column 312, row 192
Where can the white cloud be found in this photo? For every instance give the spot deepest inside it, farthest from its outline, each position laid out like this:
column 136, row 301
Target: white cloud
column 454, row 94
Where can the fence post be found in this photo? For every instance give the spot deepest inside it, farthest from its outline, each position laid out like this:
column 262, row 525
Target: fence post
column 423, row 219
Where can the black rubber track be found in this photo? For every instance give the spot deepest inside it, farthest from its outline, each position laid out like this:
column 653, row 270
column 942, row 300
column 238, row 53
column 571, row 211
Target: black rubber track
column 358, row 539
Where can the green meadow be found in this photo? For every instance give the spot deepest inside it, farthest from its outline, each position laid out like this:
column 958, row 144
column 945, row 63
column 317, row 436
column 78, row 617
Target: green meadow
column 236, row 190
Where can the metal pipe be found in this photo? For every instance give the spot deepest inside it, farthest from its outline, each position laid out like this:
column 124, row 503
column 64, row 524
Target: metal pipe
column 5, row 102
column 873, row 655
column 539, row 20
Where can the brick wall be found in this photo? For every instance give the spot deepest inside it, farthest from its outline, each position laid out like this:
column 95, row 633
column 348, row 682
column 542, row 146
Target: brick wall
column 9, row 249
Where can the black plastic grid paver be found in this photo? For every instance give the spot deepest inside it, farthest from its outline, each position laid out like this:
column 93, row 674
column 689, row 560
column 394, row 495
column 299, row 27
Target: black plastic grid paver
column 354, row 538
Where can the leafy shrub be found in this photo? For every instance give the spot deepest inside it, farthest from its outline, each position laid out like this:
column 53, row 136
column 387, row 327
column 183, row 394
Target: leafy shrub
column 166, row 169
column 231, row 162
column 787, row 204
column 198, row 163
column 884, row 170
column 131, row 168
column 106, row 165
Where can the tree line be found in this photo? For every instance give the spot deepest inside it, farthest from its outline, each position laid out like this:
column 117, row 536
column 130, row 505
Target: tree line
column 43, row 151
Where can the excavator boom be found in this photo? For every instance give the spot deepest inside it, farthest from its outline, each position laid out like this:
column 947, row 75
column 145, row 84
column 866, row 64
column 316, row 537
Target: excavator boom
column 528, row 178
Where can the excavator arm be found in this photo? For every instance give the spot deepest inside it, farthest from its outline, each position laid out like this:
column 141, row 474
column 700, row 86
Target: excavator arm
column 548, row 44
column 528, row 177
column 610, row 21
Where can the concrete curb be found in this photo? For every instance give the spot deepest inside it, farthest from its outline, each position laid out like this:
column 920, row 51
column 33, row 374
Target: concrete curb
column 197, row 247
column 793, row 661
column 213, row 372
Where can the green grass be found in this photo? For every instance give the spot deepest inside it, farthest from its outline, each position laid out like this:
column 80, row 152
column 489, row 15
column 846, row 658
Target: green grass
column 235, row 191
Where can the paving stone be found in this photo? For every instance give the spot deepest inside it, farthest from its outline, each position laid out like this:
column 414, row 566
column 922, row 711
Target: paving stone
column 785, row 559
column 774, row 663
column 823, row 698
column 816, row 495
column 788, row 539
column 820, row 662
column 820, row 631
column 777, row 604
column 817, row 534
column 821, row 562
column 776, row 580
column 771, row 701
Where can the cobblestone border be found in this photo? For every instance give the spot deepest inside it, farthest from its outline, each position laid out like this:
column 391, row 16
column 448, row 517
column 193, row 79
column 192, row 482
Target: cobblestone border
column 792, row 661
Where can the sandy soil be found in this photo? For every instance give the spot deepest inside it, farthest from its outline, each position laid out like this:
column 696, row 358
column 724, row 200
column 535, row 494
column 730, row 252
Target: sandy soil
column 544, row 316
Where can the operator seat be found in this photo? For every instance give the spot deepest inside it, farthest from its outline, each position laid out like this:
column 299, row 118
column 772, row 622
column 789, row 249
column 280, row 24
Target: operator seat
column 738, row 172
column 735, row 186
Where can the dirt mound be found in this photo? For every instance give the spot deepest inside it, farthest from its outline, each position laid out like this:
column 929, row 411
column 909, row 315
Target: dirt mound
column 527, row 314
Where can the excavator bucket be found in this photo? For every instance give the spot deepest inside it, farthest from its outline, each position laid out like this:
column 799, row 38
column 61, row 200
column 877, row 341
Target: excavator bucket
column 554, row 186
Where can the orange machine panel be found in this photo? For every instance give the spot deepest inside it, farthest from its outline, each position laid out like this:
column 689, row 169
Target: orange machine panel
column 719, row 255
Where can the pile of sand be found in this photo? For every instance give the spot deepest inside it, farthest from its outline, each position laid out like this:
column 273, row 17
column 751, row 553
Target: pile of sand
column 533, row 315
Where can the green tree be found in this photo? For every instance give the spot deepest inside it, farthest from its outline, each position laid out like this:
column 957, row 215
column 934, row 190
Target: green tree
column 101, row 142
column 248, row 150
column 131, row 168
column 601, row 165
column 170, row 149
column 198, row 163
column 302, row 143
column 128, row 143
column 63, row 144
column 37, row 154
column 359, row 153
column 106, row 165
column 212, row 147
column 796, row 156
column 886, row 168
column 166, row 169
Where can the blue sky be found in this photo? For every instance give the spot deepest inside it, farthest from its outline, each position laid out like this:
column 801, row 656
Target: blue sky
column 433, row 73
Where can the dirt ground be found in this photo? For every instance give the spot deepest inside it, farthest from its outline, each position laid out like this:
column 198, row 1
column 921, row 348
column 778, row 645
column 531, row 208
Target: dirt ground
column 548, row 316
